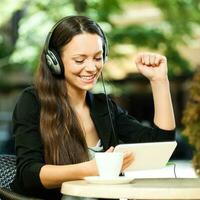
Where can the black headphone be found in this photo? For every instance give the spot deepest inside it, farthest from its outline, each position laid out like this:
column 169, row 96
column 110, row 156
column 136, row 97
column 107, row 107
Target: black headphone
column 53, row 59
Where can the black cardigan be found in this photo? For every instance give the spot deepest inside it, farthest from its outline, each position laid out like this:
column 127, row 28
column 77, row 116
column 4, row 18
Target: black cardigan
column 29, row 147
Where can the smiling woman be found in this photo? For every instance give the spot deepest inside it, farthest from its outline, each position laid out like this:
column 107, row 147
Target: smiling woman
column 58, row 121
column 83, row 61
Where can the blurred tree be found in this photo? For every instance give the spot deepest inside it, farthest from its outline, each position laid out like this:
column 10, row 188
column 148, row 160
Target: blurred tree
column 191, row 119
column 20, row 46
column 80, row 5
column 180, row 17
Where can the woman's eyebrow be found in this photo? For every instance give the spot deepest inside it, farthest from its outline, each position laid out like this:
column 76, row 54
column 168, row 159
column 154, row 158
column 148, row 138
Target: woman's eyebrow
column 99, row 52
column 84, row 55
column 79, row 55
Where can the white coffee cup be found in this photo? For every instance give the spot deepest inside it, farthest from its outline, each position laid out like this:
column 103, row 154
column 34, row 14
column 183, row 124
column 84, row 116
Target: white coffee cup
column 109, row 164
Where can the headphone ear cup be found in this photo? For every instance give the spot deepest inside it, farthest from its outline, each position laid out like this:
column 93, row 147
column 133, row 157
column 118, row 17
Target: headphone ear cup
column 54, row 63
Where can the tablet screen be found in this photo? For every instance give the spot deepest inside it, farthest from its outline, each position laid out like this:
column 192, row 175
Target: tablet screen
column 154, row 155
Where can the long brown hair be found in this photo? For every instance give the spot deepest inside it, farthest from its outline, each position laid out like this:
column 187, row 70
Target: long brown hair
column 61, row 133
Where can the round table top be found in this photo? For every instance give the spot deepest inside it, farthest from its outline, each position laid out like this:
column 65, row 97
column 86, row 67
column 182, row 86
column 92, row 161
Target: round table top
column 162, row 188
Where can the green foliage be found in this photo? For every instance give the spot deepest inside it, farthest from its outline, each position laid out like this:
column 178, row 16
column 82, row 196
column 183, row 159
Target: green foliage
column 8, row 7
column 179, row 19
column 177, row 65
column 106, row 9
column 180, row 14
column 139, row 35
column 191, row 119
column 153, row 38
column 38, row 18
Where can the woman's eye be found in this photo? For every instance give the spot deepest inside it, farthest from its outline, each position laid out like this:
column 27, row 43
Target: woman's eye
column 79, row 61
column 98, row 59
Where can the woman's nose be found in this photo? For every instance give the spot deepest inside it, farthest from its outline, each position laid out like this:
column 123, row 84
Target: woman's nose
column 90, row 66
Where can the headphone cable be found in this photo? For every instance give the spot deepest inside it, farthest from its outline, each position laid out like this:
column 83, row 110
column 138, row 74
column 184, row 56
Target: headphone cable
column 109, row 112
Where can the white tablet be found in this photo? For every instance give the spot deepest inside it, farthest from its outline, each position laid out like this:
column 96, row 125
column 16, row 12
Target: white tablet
column 147, row 156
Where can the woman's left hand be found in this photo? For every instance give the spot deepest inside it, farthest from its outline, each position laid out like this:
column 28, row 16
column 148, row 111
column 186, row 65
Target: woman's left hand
column 152, row 65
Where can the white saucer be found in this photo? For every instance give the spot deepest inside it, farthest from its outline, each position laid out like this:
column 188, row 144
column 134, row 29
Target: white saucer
column 102, row 180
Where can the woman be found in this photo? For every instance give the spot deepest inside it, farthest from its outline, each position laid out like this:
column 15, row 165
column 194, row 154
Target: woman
column 57, row 121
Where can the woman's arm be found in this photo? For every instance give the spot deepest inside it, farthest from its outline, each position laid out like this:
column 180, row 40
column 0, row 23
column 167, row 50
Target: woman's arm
column 154, row 67
column 164, row 115
column 52, row 176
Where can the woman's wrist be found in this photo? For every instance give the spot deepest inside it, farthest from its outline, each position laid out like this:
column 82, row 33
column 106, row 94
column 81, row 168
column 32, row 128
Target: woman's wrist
column 88, row 168
column 160, row 81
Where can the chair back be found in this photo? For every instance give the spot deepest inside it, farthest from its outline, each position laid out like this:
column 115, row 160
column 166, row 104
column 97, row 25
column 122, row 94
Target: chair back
column 7, row 170
column 7, row 173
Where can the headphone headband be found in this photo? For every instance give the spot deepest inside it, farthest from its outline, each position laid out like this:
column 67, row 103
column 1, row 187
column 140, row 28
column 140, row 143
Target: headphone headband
column 48, row 38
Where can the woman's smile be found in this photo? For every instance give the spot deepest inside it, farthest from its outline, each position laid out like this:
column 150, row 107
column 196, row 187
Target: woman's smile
column 88, row 78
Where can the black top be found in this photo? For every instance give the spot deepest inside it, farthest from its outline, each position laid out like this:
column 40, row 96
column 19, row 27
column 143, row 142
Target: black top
column 29, row 147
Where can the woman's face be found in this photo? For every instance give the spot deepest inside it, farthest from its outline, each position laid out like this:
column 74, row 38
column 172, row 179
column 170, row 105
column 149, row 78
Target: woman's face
column 83, row 61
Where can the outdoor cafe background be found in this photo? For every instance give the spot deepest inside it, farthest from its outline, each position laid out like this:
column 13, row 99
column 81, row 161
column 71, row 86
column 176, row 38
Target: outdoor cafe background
column 168, row 27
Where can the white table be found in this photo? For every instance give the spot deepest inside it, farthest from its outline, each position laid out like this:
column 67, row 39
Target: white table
column 162, row 188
